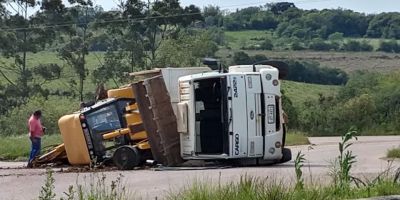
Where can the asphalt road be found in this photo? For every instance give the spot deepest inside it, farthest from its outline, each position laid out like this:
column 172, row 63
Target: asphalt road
column 20, row 183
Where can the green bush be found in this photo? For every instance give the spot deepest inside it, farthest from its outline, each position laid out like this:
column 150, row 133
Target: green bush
column 312, row 72
column 393, row 153
column 354, row 45
column 241, row 58
column 389, row 46
column 14, row 122
column 296, row 46
column 336, row 36
column 267, row 44
column 369, row 102
column 321, row 45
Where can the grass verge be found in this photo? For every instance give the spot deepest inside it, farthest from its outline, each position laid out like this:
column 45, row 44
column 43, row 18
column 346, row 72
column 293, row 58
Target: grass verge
column 95, row 187
column 18, row 147
column 296, row 138
column 393, row 153
column 257, row 188
column 299, row 93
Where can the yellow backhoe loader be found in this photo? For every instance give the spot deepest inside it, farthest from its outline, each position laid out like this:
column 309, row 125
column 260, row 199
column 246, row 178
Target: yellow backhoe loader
column 107, row 130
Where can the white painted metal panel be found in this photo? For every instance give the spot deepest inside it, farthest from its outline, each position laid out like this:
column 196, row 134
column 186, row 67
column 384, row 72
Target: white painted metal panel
column 171, row 76
column 239, row 116
column 188, row 139
column 255, row 139
column 271, row 90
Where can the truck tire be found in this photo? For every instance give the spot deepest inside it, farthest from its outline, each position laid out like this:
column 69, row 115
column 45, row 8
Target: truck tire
column 286, row 155
column 126, row 157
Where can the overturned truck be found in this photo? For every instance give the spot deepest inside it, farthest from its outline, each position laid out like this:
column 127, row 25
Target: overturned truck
column 180, row 114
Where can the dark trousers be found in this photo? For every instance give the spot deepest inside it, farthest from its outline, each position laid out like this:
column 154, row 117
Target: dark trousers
column 35, row 150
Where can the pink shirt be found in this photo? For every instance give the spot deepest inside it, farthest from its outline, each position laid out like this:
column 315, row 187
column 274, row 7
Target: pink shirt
column 35, row 127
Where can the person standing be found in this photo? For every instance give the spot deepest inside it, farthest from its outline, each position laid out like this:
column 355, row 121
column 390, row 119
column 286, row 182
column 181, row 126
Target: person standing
column 36, row 131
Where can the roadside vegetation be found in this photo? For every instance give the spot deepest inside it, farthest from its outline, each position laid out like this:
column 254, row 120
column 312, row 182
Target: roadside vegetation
column 94, row 187
column 263, row 188
column 343, row 184
column 368, row 103
column 17, row 147
column 296, row 138
column 393, row 153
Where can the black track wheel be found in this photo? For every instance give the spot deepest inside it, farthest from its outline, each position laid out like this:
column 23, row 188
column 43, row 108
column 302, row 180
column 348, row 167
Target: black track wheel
column 126, row 157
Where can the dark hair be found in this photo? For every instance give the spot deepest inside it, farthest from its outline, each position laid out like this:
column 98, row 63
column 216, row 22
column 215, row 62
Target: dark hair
column 37, row 113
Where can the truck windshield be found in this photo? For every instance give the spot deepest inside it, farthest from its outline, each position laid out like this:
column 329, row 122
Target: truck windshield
column 103, row 120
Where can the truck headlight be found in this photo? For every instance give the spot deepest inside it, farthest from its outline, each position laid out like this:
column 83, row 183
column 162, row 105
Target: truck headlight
column 278, row 145
column 271, row 150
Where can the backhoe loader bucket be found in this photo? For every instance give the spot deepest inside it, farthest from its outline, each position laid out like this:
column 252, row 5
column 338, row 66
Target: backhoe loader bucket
column 53, row 156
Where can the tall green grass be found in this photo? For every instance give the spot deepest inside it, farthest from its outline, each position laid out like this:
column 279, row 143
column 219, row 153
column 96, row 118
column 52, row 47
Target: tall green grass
column 299, row 93
column 393, row 153
column 95, row 187
column 18, row 147
column 296, row 138
column 238, row 39
column 251, row 188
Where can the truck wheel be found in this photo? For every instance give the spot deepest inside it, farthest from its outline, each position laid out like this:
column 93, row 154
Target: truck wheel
column 286, row 155
column 126, row 157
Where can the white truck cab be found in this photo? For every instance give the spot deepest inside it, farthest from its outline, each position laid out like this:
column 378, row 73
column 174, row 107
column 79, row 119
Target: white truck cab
column 233, row 115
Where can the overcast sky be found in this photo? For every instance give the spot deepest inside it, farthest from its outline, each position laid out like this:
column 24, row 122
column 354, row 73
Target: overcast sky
column 366, row 6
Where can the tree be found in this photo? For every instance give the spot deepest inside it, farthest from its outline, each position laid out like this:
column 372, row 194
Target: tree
column 320, row 45
column 267, row 44
column 213, row 16
column 74, row 52
column 186, row 50
column 279, row 8
column 386, row 25
column 149, row 24
column 241, row 58
column 389, row 46
column 23, row 34
column 336, row 36
column 113, row 68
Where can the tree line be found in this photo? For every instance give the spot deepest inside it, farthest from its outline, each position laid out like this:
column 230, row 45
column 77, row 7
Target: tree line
column 136, row 35
column 299, row 71
column 286, row 20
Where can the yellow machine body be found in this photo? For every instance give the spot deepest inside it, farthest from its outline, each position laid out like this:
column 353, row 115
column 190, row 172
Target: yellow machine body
column 125, row 92
column 132, row 118
column 74, row 139
column 73, row 134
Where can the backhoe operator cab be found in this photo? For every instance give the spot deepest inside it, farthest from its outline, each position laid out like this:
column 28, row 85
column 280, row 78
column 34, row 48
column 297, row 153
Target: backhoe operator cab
column 234, row 115
column 96, row 133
